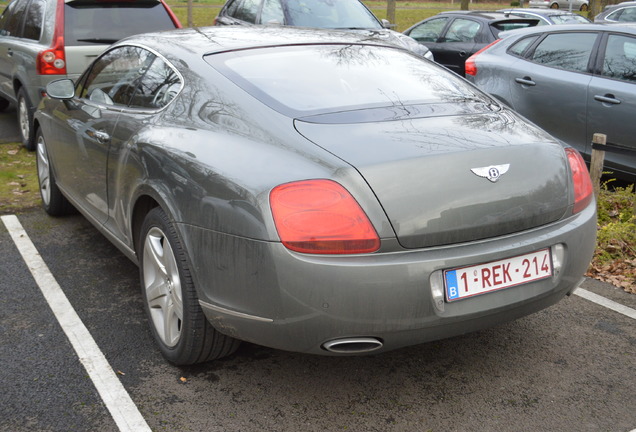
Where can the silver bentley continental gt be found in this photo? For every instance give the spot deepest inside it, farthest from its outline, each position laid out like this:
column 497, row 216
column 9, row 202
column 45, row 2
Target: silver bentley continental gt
column 318, row 192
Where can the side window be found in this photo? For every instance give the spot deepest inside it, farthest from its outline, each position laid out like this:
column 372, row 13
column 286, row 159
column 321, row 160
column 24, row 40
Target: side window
column 247, row 11
column 568, row 51
column 4, row 19
column 232, row 6
column 33, row 20
column 115, row 75
column 13, row 25
column 430, row 31
column 628, row 15
column 272, row 12
column 158, row 86
column 462, row 30
column 620, row 58
column 521, row 45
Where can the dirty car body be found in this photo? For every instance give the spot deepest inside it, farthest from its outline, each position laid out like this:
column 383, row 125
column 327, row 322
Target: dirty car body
column 312, row 195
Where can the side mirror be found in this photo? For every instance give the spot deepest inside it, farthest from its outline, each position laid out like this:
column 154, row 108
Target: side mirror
column 387, row 24
column 61, row 89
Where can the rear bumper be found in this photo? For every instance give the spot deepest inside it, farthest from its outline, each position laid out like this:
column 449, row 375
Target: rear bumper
column 263, row 293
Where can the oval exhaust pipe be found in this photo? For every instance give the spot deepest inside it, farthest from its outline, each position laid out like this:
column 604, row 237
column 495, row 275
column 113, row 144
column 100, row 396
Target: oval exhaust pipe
column 353, row 345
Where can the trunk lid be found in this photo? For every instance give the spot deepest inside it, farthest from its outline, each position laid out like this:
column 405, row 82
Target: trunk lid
column 430, row 173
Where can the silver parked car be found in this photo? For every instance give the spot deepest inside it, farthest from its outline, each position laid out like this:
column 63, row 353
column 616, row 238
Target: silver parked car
column 321, row 192
column 44, row 40
column 618, row 13
column 580, row 5
column 547, row 16
column 573, row 81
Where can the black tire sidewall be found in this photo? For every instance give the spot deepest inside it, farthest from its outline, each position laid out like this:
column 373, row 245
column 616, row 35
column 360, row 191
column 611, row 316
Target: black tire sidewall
column 58, row 205
column 193, row 317
column 29, row 141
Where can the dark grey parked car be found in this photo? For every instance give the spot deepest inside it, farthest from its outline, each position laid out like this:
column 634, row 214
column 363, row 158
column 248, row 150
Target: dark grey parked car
column 351, row 15
column 454, row 36
column 43, row 40
column 320, row 192
column 573, row 81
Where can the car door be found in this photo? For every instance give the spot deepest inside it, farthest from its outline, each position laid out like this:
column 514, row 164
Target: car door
column 156, row 87
column 611, row 100
column 549, row 86
column 86, row 127
column 458, row 42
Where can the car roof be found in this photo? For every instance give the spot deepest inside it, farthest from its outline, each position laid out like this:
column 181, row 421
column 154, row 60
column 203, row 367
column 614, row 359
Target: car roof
column 624, row 27
column 488, row 15
column 537, row 11
column 200, row 41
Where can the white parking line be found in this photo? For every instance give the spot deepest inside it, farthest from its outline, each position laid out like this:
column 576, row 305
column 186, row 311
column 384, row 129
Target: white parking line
column 617, row 307
column 117, row 400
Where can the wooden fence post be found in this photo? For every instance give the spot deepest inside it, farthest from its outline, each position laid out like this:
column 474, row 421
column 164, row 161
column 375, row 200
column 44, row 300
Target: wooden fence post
column 596, row 165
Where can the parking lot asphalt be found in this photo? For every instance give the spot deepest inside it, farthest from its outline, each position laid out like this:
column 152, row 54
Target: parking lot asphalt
column 568, row 368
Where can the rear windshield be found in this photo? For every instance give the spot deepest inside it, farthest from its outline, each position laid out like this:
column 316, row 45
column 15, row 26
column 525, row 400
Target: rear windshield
column 501, row 26
column 326, row 78
column 106, row 22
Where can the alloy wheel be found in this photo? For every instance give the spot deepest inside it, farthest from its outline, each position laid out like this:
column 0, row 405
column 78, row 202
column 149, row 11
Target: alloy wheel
column 162, row 285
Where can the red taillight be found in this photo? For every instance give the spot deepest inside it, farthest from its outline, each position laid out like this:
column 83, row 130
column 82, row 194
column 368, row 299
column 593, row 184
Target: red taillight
column 470, row 66
column 321, row 217
column 53, row 60
column 583, row 189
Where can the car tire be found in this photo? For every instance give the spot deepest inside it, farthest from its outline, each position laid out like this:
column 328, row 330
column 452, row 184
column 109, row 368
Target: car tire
column 176, row 319
column 53, row 202
column 25, row 120
column 4, row 104
column 584, row 8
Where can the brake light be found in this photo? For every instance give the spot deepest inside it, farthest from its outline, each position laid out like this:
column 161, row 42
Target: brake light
column 53, row 60
column 583, row 189
column 321, row 217
column 470, row 65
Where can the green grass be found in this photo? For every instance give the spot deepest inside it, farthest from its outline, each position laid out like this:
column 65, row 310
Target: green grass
column 18, row 179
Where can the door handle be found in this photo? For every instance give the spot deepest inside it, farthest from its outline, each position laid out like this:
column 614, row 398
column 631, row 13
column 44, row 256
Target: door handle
column 525, row 81
column 100, row 136
column 9, row 52
column 462, row 53
column 607, row 99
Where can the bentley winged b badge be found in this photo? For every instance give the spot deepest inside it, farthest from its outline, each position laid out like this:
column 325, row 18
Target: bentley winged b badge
column 492, row 172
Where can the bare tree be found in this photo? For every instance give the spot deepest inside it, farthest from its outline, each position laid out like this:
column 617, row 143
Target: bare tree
column 464, row 5
column 390, row 11
column 190, row 23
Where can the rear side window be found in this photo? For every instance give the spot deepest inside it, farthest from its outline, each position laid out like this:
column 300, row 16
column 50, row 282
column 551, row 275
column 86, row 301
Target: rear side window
column 462, row 30
column 33, row 20
column 12, row 19
column 568, row 51
column 88, row 22
column 498, row 27
column 620, row 58
column 520, row 46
